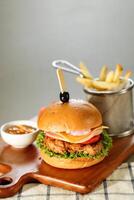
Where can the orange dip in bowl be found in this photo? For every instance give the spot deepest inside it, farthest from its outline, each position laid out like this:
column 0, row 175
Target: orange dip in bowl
column 20, row 129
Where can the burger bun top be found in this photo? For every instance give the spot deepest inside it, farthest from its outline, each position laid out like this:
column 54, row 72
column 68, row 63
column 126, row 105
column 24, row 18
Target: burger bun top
column 75, row 115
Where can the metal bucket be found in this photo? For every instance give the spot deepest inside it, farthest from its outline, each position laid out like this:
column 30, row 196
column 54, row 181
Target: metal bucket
column 116, row 108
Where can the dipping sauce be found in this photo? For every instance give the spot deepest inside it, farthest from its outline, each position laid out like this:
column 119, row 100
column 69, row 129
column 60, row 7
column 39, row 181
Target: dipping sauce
column 20, row 129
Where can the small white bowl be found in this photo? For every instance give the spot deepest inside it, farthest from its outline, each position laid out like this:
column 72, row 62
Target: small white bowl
column 19, row 140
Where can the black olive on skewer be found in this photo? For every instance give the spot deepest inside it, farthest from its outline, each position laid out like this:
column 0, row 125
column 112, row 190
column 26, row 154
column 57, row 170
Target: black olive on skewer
column 64, row 97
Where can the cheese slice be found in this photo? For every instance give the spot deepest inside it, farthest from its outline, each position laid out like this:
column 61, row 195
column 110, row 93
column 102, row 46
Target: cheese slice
column 80, row 139
column 54, row 136
column 76, row 139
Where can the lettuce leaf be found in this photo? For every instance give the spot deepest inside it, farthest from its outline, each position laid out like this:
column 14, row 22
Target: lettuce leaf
column 106, row 141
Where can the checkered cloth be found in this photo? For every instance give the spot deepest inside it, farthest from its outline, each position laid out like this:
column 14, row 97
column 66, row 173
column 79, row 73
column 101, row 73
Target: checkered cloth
column 118, row 186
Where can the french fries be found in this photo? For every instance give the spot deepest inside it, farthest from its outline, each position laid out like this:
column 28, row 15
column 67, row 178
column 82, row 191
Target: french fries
column 85, row 71
column 103, row 85
column 84, row 81
column 103, row 73
column 110, row 77
column 118, row 72
column 128, row 74
column 108, row 80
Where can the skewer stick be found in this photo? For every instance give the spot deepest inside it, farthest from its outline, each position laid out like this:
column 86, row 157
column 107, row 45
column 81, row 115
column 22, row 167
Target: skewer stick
column 64, row 95
column 61, row 80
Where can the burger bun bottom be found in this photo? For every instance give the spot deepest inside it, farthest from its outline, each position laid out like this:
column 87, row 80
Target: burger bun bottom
column 67, row 163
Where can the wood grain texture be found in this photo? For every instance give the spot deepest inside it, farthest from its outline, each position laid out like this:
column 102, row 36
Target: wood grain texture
column 20, row 166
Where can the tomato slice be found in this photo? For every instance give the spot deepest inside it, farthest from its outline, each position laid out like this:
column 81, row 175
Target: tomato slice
column 92, row 140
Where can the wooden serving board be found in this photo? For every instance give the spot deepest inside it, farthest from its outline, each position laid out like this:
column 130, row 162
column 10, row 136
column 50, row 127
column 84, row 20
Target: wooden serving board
column 20, row 166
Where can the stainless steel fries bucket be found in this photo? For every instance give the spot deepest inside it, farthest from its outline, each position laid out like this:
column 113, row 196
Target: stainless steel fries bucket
column 116, row 108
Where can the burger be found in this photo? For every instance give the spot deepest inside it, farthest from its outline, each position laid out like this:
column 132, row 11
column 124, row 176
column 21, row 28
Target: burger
column 71, row 135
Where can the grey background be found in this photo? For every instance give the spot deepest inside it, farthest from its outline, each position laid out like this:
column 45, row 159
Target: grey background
column 33, row 33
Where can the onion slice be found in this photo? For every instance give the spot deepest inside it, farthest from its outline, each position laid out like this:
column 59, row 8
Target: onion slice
column 77, row 133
